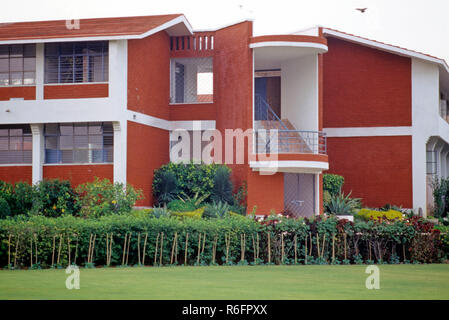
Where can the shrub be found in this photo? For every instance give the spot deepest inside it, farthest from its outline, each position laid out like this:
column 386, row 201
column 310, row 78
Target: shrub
column 18, row 196
column 194, row 214
column 440, row 195
column 180, row 205
column 222, row 190
column 53, row 198
column 5, row 211
column 165, row 187
column 191, row 178
column 342, row 204
column 332, row 183
column 369, row 214
column 160, row 212
column 101, row 197
column 216, row 210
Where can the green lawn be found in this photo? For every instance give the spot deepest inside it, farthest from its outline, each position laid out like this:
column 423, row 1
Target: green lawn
column 262, row 282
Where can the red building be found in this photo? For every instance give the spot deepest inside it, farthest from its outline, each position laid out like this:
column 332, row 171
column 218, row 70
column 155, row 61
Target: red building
column 102, row 97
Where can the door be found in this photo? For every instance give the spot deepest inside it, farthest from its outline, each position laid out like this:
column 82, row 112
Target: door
column 299, row 194
column 269, row 89
column 179, row 84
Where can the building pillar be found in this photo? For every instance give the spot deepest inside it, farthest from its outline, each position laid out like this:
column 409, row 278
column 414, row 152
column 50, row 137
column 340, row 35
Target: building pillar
column 40, row 66
column 120, row 150
column 38, row 153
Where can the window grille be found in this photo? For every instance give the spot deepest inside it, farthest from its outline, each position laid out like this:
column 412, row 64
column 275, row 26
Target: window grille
column 76, row 62
column 431, row 162
column 191, row 80
column 79, row 143
column 17, row 64
column 16, row 144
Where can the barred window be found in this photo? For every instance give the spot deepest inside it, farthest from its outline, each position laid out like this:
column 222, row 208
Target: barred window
column 79, row 142
column 76, row 62
column 191, row 80
column 17, row 64
column 431, row 162
column 15, row 144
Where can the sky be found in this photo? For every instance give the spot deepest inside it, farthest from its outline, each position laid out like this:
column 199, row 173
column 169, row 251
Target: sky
column 414, row 24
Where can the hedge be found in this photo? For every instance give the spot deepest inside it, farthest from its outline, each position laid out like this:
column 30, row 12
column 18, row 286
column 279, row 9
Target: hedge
column 40, row 242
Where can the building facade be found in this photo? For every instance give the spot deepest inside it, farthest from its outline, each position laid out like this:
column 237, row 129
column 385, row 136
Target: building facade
column 106, row 97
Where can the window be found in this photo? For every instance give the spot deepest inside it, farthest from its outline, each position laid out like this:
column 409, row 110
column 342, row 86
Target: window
column 191, row 80
column 76, row 62
column 431, row 162
column 15, row 144
column 79, row 142
column 17, row 64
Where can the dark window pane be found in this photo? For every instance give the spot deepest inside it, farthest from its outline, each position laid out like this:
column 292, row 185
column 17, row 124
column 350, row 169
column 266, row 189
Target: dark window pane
column 16, row 50
column 29, row 50
column 4, row 51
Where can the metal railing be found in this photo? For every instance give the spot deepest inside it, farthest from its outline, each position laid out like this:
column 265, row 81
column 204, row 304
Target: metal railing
column 276, row 137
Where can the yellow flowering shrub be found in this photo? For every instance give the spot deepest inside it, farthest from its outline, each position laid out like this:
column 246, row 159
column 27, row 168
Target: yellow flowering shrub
column 195, row 214
column 370, row 214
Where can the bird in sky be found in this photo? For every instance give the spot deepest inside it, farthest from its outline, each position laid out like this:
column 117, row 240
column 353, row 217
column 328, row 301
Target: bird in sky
column 362, row 10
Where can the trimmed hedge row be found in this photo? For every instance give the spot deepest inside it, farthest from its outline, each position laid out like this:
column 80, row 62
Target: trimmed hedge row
column 40, row 242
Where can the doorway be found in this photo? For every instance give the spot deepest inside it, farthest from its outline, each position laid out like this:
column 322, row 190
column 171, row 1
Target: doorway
column 299, row 194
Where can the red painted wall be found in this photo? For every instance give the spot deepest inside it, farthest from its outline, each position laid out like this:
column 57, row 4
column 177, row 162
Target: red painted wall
column 76, row 91
column 147, row 151
column 14, row 174
column 28, row 93
column 203, row 111
column 365, row 87
column 78, row 174
column 149, row 75
column 376, row 169
column 233, row 78
column 266, row 192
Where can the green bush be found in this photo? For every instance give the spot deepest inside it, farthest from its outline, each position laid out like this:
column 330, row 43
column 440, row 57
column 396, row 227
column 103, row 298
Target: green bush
column 165, row 187
column 5, row 211
column 180, row 205
column 101, row 197
column 332, row 183
column 236, row 239
column 440, row 194
column 19, row 197
column 216, row 210
column 341, row 204
column 53, row 198
column 191, row 179
column 222, row 190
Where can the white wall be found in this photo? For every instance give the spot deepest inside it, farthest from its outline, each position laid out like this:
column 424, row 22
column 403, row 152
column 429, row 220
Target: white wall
column 299, row 92
column 425, row 123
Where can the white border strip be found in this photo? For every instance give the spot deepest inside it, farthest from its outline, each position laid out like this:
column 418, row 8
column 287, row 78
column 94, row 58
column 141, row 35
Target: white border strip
column 368, row 132
column 320, row 165
column 297, row 44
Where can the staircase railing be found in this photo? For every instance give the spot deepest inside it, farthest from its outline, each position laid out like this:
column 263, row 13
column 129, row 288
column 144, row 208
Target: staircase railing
column 288, row 140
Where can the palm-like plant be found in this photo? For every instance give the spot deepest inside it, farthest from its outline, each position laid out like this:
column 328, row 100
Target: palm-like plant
column 341, row 204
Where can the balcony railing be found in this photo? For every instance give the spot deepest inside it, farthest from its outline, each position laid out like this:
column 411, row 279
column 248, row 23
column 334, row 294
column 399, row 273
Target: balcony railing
column 279, row 136
column 290, row 141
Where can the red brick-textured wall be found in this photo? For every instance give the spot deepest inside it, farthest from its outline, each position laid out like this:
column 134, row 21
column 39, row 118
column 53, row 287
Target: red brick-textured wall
column 78, row 174
column 147, row 151
column 28, row 93
column 201, row 111
column 376, row 169
column 149, row 75
column 233, row 78
column 76, row 91
column 365, row 87
column 14, row 174
column 266, row 192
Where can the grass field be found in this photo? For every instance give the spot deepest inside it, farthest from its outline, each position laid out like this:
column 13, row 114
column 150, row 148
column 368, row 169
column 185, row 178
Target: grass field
column 261, row 282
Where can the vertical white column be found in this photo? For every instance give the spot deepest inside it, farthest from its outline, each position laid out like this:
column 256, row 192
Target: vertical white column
column 40, row 71
column 317, row 194
column 120, row 146
column 38, row 152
